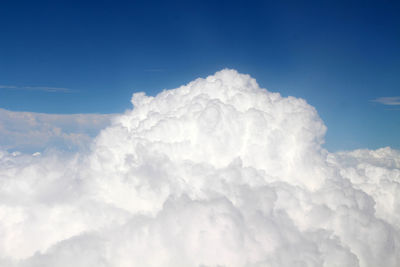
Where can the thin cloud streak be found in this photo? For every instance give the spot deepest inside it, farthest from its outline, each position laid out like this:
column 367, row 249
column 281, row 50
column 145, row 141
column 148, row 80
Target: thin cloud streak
column 389, row 101
column 38, row 88
column 154, row 70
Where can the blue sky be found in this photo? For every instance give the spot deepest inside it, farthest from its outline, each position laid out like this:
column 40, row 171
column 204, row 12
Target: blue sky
column 90, row 56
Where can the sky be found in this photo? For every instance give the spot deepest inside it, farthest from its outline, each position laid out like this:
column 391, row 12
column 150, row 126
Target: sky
column 342, row 57
column 139, row 133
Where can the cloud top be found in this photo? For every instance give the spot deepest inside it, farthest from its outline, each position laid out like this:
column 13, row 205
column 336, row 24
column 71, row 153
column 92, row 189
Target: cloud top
column 218, row 172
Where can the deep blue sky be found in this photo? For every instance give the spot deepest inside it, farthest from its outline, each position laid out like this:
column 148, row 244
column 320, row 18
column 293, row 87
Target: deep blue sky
column 338, row 55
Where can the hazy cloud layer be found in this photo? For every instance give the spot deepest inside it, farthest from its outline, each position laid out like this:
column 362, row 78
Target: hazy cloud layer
column 390, row 101
column 215, row 173
column 30, row 132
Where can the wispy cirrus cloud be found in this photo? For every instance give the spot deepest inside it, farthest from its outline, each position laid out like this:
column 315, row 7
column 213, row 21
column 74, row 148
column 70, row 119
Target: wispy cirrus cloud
column 389, row 101
column 37, row 88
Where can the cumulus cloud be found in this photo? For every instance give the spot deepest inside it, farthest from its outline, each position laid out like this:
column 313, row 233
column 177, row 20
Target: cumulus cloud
column 33, row 132
column 219, row 172
column 389, row 101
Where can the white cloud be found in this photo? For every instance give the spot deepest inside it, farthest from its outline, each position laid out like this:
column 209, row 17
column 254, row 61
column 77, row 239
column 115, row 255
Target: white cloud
column 389, row 101
column 30, row 132
column 218, row 172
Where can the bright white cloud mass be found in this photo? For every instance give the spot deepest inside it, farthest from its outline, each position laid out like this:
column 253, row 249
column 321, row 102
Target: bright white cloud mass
column 218, row 172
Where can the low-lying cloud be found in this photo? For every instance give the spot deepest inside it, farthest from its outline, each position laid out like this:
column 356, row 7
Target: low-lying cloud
column 218, row 172
column 31, row 132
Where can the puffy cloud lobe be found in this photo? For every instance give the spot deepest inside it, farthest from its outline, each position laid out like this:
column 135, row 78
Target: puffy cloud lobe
column 218, row 172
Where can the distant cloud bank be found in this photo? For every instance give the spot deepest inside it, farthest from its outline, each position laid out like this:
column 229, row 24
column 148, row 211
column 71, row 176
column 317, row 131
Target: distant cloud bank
column 32, row 132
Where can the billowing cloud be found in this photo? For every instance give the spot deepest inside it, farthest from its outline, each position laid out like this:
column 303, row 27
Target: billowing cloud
column 218, row 172
column 389, row 101
column 31, row 132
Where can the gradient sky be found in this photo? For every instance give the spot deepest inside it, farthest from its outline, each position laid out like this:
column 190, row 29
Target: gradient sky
column 90, row 56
